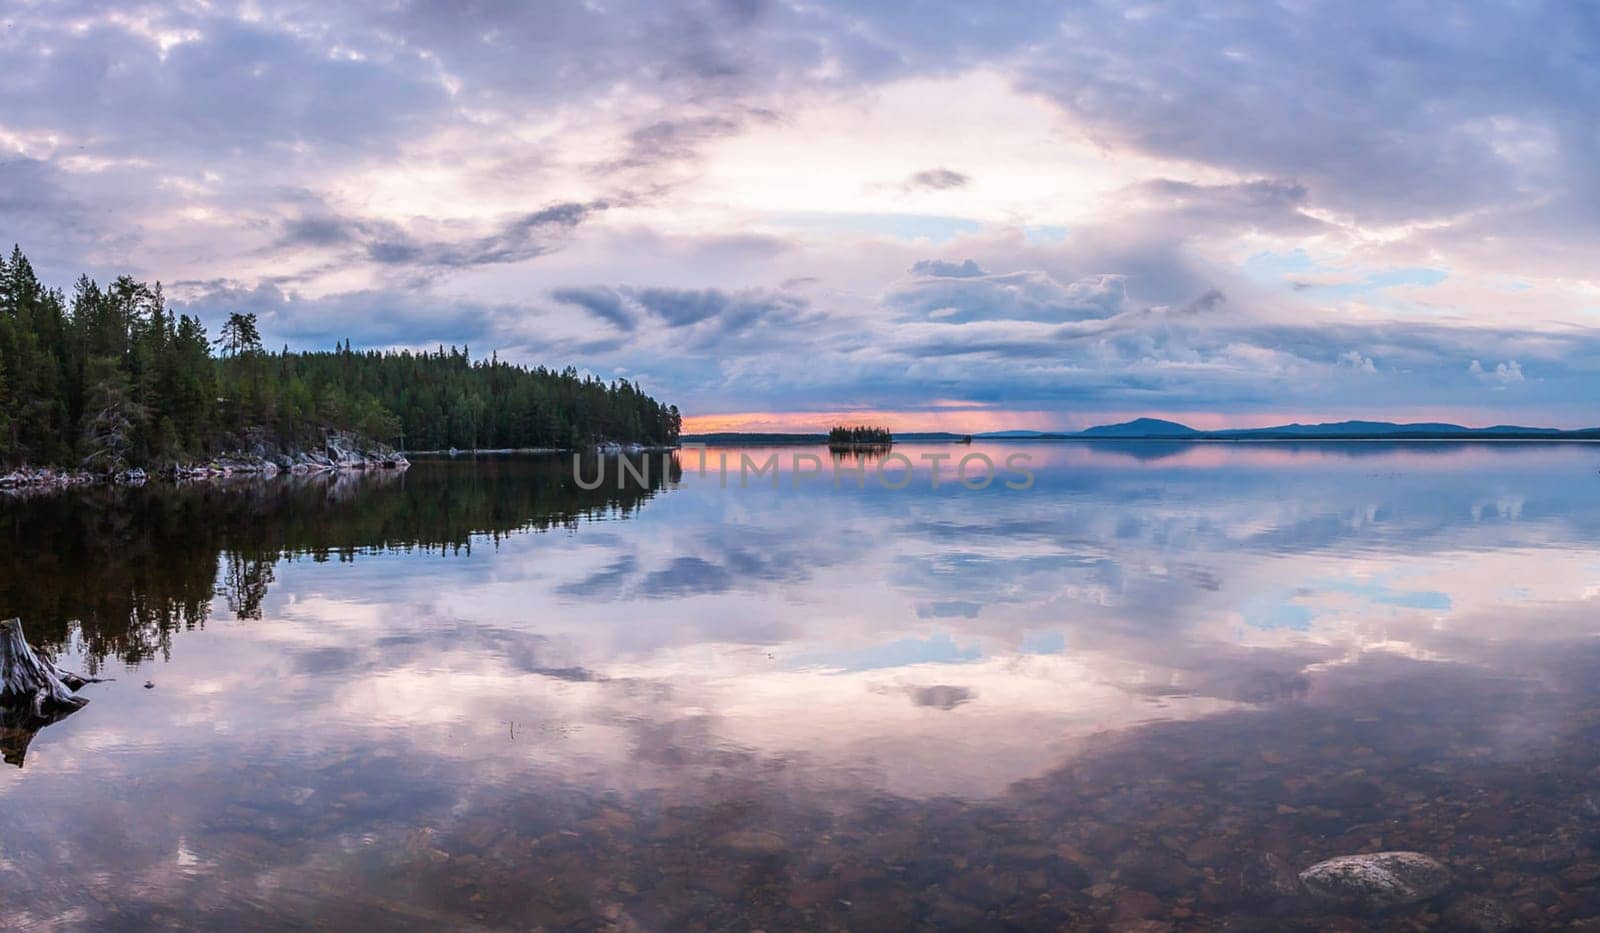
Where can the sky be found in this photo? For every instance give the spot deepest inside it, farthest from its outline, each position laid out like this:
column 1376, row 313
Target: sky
column 776, row 215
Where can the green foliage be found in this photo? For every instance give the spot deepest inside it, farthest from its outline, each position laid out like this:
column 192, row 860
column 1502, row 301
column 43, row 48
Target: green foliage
column 112, row 378
column 239, row 335
column 859, row 434
column 112, row 416
column 5, row 412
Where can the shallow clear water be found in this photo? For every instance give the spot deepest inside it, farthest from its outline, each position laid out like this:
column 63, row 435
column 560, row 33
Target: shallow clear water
column 1144, row 691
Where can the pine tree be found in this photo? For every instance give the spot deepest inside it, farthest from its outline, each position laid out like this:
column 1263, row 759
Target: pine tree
column 113, row 377
column 108, row 432
column 240, row 335
column 5, row 413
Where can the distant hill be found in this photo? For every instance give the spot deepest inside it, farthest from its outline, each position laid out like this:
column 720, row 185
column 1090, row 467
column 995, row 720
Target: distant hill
column 1156, row 428
column 1382, row 428
column 1141, row 427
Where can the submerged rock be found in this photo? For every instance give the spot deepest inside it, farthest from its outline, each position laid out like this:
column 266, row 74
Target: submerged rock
column 1266, row 879
column 753, row 842
column 1480, row 915
column 1376, row 881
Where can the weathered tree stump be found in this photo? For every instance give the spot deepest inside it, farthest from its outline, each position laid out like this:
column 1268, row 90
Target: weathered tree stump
column 29, row 682
column 33, row 693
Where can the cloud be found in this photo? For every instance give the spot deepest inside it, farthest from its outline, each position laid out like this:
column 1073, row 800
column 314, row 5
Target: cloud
column 695, row 320
column 402, row 318
column 30, row 186
column 584, row 181
column 1503, row 374
column 317, row 231
column 1353, row 360
column 937, row 179
column 941, row 696
column 1380, row 112
column 1261, row 204
column 328, row 243
column 603, row 303
column 1209, row 300
column 681, row 307
column 965, row 269
column 965, row 293
column 197, row 81
column 1008, row 340
column 679, row 140
column 520, row 238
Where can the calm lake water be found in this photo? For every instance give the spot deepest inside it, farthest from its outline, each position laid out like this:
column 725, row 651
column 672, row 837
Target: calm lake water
column 1143, row 692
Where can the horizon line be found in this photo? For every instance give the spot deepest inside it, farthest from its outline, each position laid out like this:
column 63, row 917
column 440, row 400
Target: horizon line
column 763, row 424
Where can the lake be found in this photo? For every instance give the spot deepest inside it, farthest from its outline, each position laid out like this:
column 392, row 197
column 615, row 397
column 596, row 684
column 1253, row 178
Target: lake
column 1141, row 692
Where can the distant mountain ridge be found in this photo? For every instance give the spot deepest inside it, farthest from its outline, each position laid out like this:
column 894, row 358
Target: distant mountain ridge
column 1371, row 428
column 1164, row 430
column 1160, row 429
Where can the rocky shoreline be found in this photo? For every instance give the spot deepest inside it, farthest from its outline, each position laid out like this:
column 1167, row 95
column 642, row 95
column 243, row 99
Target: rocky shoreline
column 604, row 448
column 299, row 463
column 335, row 458
column 339, row 455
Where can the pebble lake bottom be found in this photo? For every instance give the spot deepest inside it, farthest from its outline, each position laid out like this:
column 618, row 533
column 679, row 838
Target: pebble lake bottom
column 1150, row 692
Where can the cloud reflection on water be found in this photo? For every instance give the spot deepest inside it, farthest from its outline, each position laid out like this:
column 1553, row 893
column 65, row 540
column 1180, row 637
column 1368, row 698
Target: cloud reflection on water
column 924, row 645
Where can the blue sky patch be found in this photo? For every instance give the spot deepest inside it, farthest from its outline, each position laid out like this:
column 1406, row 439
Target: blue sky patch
column 939, row 648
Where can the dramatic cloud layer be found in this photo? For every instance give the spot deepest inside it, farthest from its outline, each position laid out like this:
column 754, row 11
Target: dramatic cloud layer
column 959, row 215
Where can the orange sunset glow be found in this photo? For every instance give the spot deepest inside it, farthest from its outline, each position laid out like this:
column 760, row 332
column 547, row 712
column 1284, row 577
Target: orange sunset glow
column 978, row 419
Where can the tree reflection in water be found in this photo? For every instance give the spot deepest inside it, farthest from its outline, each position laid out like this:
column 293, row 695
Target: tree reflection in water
column 125, row 568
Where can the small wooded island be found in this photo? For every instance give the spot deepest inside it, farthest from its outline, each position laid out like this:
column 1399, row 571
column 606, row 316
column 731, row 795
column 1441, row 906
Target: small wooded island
column 841, row 437
column 109, row 380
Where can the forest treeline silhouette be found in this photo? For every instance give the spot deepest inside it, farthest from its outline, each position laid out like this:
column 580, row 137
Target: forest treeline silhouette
column 110, row 377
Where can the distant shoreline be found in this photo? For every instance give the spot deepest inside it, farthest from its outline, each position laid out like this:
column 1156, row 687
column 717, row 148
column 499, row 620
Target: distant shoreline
column 818, row 440
column 544, row 451
column 1322, row 439
column 1161, row 430
column 1318, row 438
